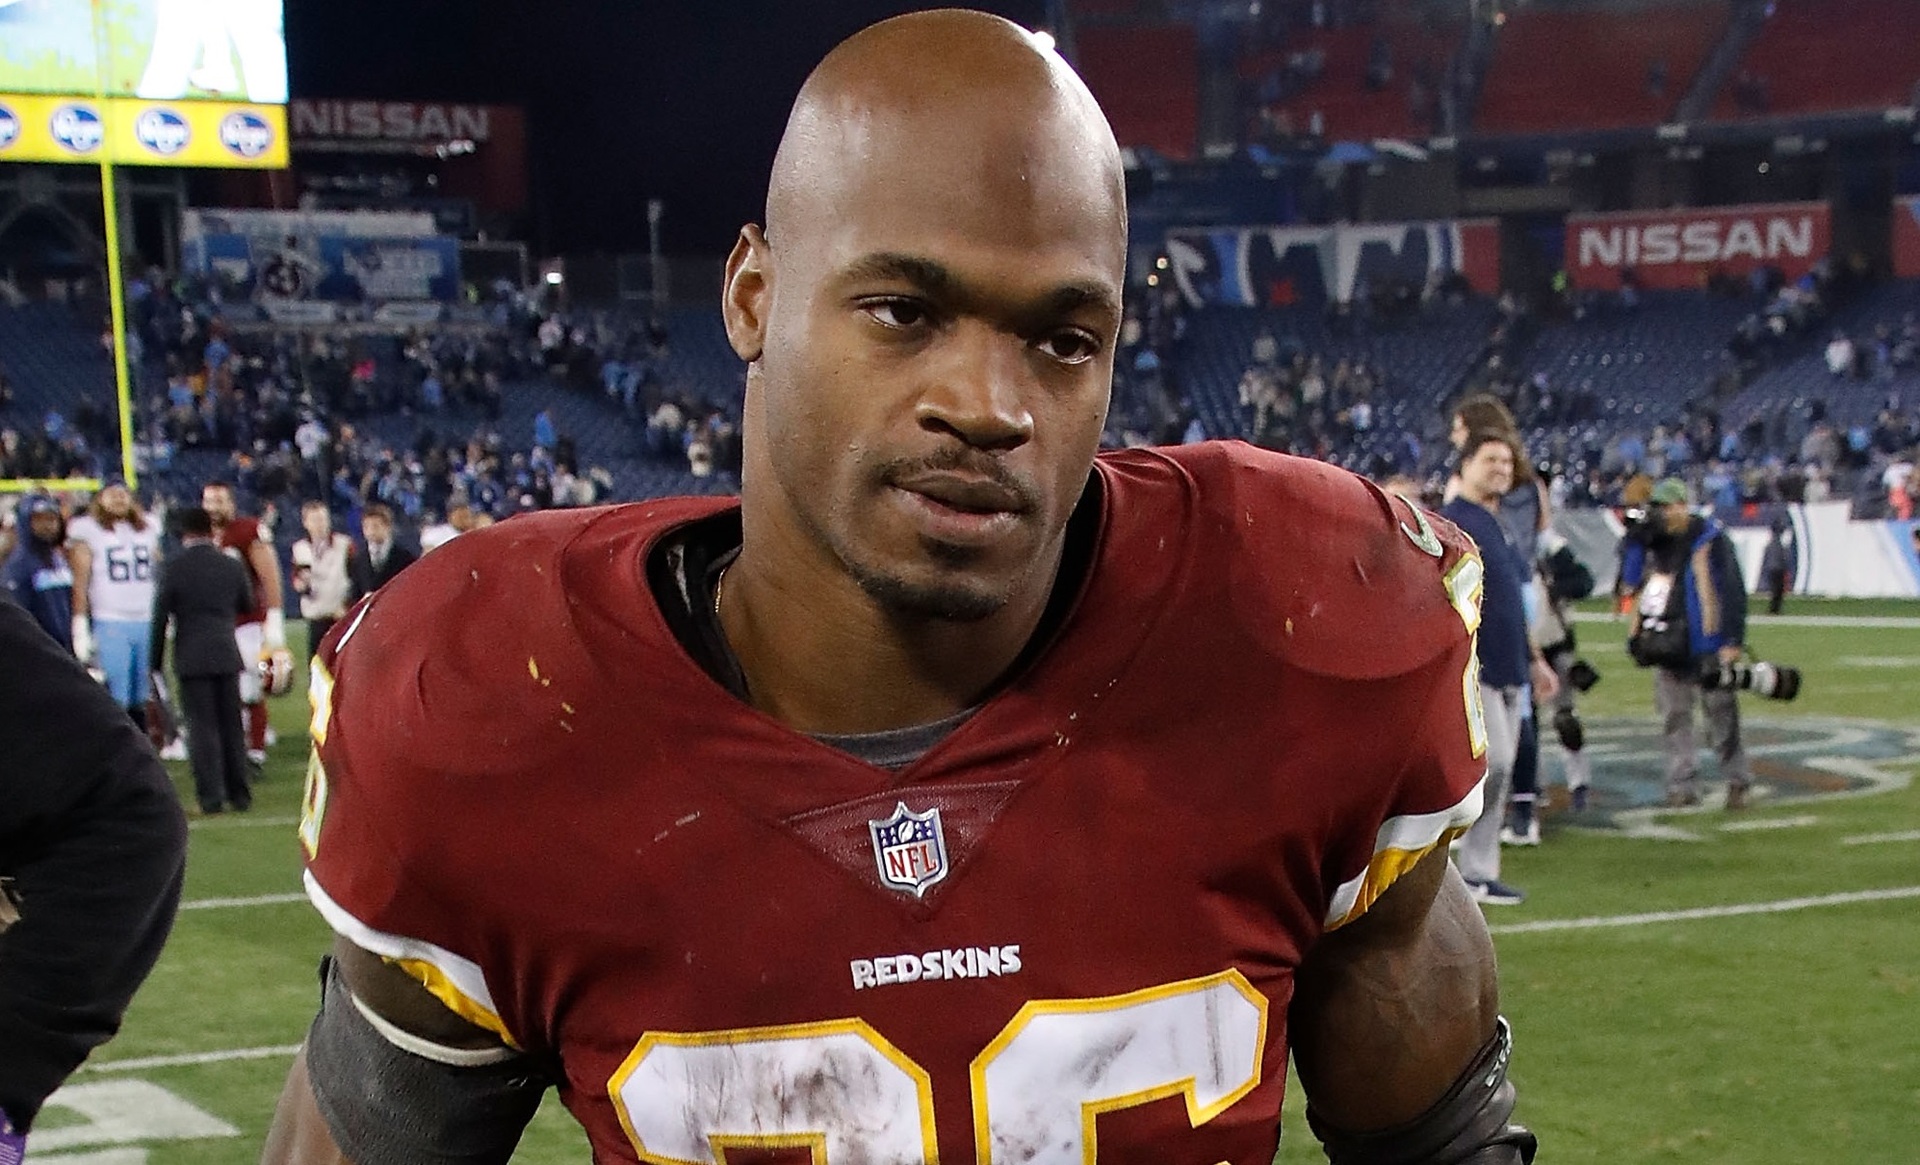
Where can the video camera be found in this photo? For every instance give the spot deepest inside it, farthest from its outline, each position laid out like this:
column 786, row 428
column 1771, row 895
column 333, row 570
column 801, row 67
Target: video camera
column 1773, row 681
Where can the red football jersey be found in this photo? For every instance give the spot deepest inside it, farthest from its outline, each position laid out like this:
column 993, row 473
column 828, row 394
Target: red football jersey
column 1076, row 919
column 235, row 538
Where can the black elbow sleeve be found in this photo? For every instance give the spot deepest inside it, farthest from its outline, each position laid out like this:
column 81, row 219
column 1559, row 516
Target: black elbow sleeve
column 387, row 1106
column 1470, row 1125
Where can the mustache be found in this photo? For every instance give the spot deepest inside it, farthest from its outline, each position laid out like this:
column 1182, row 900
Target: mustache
column 966, row 462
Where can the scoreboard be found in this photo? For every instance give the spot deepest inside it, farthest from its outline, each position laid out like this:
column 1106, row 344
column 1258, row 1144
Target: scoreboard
column 144, row 82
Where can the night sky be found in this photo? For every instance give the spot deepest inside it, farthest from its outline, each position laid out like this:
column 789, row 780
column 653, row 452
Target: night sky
column 625, row 100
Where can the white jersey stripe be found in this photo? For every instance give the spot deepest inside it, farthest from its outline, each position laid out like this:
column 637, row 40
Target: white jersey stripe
column 463, row 977
column 1400, row 842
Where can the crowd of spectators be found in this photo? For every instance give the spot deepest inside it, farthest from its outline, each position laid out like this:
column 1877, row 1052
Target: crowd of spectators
column 414, row 422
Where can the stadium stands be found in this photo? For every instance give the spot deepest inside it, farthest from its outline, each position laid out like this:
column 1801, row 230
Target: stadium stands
column 1817, row 56
column 1421, row 362
column 1147, row 78
column 1409, row 62
column 52, row 358
column 1595, row 68
column 1639, row 366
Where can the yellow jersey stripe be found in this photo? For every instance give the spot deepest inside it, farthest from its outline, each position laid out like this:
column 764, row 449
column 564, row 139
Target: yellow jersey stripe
column 1400, row 843
column 454, row 981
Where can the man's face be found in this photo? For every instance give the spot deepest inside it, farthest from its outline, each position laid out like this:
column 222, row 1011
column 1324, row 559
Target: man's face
column 1675, row 516
column 376, row 529
column 935, row 363
column 116, row 501
column 318, row 523
column 1488, row 471
column 217, row 501
column 46, row 526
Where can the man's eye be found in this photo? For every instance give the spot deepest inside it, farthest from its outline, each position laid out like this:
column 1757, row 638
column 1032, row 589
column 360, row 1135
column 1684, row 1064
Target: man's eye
column 896, row 313
column 1070, row 347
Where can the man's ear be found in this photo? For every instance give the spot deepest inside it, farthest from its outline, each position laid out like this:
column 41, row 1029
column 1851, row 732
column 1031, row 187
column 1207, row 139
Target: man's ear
column 748, row 293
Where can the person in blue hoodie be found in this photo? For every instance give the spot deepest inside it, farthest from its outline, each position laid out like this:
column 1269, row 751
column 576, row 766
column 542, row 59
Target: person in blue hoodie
column 1690, row 610
column 37, row 575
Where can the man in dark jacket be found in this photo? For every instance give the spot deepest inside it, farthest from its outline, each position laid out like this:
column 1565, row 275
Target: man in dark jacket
column 92, row 848
column 200, row 591
column 384, row 557
column 37, row 575
column 1685, row 568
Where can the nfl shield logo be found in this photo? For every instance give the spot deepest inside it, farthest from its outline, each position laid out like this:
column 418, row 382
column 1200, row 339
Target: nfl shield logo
column 911, row 850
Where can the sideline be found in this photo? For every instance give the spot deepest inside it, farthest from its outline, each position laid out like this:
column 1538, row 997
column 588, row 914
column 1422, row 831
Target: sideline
column 1781, row 906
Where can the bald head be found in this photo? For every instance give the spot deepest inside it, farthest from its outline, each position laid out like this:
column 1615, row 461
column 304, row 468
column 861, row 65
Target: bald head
column 929, row 318
column 969, row 88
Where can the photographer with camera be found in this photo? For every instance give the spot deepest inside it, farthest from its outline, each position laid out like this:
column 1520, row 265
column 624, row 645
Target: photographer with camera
column 1689, row 622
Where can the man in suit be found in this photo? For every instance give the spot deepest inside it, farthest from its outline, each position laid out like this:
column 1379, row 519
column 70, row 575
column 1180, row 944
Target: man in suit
column 201, row 589
column 384, row 557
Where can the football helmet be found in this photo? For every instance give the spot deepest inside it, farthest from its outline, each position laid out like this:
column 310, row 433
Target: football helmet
column 276, row 671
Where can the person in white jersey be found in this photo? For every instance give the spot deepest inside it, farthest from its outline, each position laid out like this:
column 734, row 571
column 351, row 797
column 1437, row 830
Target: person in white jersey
column 322, row 574
column 114, row 549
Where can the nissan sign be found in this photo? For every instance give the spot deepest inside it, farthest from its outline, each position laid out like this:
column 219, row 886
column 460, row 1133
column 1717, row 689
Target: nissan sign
column 1681, row 248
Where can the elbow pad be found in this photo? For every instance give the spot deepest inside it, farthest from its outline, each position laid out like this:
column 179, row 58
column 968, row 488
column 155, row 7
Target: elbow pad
column 386, row 1105
column 1468, row 1126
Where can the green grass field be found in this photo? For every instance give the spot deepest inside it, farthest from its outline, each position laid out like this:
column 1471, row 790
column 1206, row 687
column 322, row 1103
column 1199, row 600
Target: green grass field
column 1784, row 1036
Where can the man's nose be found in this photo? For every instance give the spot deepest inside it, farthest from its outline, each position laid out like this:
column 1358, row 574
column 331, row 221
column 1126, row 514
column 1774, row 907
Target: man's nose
column 978, row 389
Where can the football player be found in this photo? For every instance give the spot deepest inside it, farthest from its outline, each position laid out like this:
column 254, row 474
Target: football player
column 115, row 551
column 954, row 795
column 261, row 632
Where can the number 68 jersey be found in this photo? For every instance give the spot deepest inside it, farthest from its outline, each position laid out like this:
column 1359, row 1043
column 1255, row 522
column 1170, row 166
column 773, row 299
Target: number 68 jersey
column 1065, row 934
column 125, row 561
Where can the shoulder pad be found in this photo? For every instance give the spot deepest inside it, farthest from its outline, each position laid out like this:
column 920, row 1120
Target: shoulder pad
column 1327, row 569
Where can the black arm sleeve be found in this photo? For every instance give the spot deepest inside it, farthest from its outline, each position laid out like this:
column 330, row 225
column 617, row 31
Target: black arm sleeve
column 1470, row 1125
column 95, row 842
column 162, row 611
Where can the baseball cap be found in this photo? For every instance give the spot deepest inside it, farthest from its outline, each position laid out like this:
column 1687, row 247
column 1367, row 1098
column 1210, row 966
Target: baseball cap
column 1669, row 491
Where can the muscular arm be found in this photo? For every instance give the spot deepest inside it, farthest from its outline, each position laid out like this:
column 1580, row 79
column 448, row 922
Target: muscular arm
column 1390, row 1009
column 299, row 1135
column 80, row 560
column 266, row 567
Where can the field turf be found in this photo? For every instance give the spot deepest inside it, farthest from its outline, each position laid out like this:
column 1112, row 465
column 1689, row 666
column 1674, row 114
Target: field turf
column 1776, row 1035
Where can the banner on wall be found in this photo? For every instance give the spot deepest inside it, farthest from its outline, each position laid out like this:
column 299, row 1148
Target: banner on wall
column 1281, row 266
column 129, row 132
column 1906, row 236
column 1681, row 248
column 277, row 258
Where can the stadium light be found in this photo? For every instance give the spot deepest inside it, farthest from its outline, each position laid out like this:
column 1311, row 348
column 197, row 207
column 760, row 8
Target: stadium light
column 555, row 279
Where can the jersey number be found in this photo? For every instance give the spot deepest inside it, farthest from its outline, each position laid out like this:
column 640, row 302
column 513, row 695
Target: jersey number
column 840, row 1090
column 123, row 566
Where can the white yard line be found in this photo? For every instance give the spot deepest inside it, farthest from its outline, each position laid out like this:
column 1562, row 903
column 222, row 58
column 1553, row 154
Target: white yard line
column 1762, row 823
column 1865, row 622
column 241, row 821
column 1781, row 906
column 1877, row 838
column 277, row 1051
column 189, row 1059
column 256, row 900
